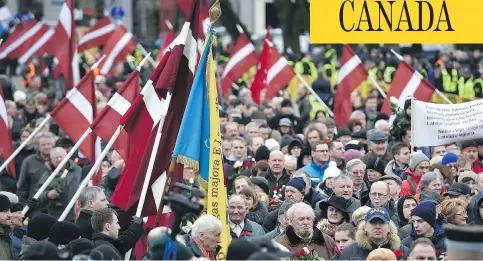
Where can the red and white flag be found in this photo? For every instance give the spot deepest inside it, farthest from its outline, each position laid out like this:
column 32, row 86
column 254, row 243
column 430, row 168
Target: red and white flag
column 107, row 122
column 38, row 48
column 407, row 83
column 120, row 44
column 75, row 114
column 242, row 58
column 173, row 76
column 63, row 45
column 168, row 39
column 352, row 73
column 22, row 38
column 6, row 145
column 97, row 35
column 273, row 72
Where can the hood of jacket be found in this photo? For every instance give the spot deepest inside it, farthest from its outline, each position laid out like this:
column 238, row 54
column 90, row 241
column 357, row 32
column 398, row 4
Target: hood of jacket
column 399, row 208
column 388, row 170
column 474, row 209
column 436, row 238
column 363, row 240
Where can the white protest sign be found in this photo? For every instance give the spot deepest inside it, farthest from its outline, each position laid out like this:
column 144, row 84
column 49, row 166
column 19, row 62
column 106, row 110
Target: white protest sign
column 438, row 124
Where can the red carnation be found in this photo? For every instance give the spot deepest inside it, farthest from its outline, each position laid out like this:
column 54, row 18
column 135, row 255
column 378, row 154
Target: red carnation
column 276, row 188
column 398, row 254
column 246, row 165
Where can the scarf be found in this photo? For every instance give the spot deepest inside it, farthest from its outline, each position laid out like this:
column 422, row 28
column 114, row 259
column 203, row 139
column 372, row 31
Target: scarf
column 205, row 253
column 383, row 244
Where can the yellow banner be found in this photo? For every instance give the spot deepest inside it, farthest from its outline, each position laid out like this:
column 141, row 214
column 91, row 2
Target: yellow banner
column 217, row 197
column 396, row 21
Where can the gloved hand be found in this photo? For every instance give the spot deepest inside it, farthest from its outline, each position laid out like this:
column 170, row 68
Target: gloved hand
column 32, row 203
column 137, row 220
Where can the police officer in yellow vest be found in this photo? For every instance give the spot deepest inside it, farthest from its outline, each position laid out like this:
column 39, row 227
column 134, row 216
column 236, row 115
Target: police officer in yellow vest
column 306, row 67
column 450, row 81
column 478, row 85
column 466, row 85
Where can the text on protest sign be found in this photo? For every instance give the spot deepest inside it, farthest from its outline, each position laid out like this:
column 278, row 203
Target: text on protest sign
column 438, row 124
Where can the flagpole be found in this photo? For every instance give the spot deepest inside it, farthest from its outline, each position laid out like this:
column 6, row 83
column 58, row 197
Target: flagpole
column 141, row 63
column 436, row 90
column 152, row 160
column 315, row 94
column 151, row 60
column 91, row 173
column 59, row 168
column 25, row 142
column 377, row 86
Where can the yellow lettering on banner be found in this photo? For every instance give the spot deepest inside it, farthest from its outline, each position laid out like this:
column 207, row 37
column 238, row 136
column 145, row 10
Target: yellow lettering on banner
column 396, row 21
column 217, row 197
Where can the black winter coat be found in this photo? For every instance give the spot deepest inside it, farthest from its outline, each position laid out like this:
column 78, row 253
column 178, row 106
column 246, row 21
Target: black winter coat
column 124, row 242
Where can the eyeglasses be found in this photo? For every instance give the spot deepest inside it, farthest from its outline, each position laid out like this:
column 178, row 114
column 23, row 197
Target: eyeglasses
column 377, row 195
column 452, row 166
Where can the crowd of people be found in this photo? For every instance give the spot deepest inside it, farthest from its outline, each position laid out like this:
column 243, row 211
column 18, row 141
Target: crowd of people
column 299, row 186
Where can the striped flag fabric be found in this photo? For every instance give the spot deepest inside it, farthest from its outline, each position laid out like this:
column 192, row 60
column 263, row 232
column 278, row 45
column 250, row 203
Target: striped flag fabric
column 107, row 121
column 352, row 73
column 22, row 38
column 6, row 145
column 242, row 58
column 97, row 35
column 168, row 39
column 173, row 76
column 75, row 114
column 407, row 83
column 63, row 45
column 38, row 48
column 120, row 44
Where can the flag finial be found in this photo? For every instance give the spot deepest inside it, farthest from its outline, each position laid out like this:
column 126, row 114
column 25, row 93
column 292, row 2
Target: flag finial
column 215, row 11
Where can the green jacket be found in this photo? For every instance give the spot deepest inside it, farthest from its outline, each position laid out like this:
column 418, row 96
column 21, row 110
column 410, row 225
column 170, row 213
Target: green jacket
column 5, row 243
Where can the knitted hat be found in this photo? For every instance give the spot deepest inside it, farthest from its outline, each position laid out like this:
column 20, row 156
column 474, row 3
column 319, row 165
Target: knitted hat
column 263, row 153
column 63, row 232
column 11, row 197
column 81, row 246
column 158, row 246
column 351, row 154
column 41, row 250
column 427, row 211
column 468, row 144
column 271, row 144
column 40, row 225
column 343, row 131
column 297, row 183
column 467, row 174
column 416, row 159
column 105, row 252
column 4, row 203
column 331, row 172
column 261, row 183
column 376, row 164
column 427, row 178
column 286, row 140
column 241, row 249
column 449, row 158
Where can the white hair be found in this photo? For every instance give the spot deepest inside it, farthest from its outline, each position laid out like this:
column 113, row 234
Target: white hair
column 205, row 224
column 378, row 123
column 43, row 135
column 291, row 211
column 354, row 114
column 352, row 163
column 251, row 125
column 56, row 150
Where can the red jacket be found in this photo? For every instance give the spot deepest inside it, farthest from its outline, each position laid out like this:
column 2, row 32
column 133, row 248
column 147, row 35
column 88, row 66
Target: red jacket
column 406, row 186
column 477, row 168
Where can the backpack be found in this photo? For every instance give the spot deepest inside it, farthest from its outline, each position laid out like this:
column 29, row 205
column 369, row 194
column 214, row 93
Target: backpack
column 412, row 185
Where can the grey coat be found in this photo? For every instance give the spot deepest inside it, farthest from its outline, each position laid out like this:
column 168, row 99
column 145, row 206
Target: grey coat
column 69, row 187
column 32, row 169
column 26, row 242
column 5, row 243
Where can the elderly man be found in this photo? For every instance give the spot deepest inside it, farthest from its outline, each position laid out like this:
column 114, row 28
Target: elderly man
column 251, row 131
column 422, row 249
column 106, row 231
column 343, row 188
column 319, row 163
column 378, row 231
column 469, row 149
column 276, row 175
column 383, row 127
column 380, row 196
column 394, row 182
column 418, row 166
column 61, row 190
column 356, row 169
column 34, row 166
column 377, row 147
column 230, row 130
column 282, row 220
column 301, row 233
column 240, row 226
column 91, row 199
column 205, row 237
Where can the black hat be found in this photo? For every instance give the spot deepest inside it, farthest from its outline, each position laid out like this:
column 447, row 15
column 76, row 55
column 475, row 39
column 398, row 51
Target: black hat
column 376, row 164
column 63, row 232
column 263, row 153
column 5, row 204
column 261, row 182
column 343, row 131
column 270, row 248
column 468, row 144
column 105, row 252
column 40, row 225
column 458, row 189
column 354, row 145
column 343, row 205
column 241, row 249
column 286, row 140
column 362, row 134
column 81, row 246
column 298, row 183
column 158, row 246
column 295, row 143
column 41, row 250
column 286, row 103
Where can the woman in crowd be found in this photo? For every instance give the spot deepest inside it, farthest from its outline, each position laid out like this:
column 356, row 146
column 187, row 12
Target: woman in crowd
column 333, row 213
column 241, row 182
column 455, row 211
column 404, row 207
column 257, row 210
column 430, row 182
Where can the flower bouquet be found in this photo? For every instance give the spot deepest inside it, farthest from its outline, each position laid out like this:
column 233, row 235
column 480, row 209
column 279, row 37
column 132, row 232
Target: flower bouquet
column 306, row 254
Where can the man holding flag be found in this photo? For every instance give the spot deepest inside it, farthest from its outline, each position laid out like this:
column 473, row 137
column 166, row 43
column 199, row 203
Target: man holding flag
column 199, row 141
